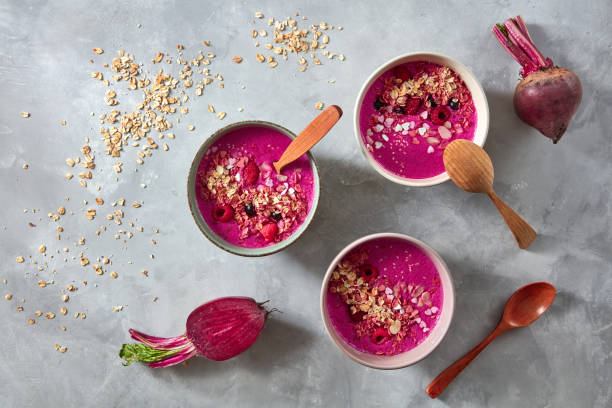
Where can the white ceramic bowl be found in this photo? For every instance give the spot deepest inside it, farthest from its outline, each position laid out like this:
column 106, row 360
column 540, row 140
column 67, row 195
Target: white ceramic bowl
column 478, row 95
column 429, row 344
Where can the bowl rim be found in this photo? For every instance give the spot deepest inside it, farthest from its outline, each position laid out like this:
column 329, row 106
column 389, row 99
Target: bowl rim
column 441, row 328
column 203, row 225
column 480, row 136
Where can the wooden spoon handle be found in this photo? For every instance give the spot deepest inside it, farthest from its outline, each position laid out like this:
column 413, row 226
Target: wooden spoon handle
column 440, row 383
column 523, row 233
column 309, row 136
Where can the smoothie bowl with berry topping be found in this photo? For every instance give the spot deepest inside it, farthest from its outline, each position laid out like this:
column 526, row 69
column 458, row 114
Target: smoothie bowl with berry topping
column 387, row 300
column 239, row 201
column 411, row 108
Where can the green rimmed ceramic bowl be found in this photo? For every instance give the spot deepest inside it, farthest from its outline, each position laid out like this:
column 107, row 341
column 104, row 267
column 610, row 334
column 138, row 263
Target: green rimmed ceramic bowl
column 201, row 222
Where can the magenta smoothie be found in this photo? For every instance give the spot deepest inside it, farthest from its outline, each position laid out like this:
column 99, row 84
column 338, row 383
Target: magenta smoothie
column 240, row 195
column 384, row 297
column 411, row 113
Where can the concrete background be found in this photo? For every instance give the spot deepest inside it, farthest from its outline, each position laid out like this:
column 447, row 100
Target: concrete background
column 563, row 360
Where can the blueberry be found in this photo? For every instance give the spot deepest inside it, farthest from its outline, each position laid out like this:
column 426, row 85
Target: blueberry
column 378, row 104
column 276, row 215
column 453, row 104
column 431, row 101
column 249, row 208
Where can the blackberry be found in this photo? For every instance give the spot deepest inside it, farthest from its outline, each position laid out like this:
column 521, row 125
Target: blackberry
column 249, row 209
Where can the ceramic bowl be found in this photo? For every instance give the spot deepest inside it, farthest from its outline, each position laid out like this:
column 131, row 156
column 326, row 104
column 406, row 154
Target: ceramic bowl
column 423, row 349
column 478, row 95
column 203, row 225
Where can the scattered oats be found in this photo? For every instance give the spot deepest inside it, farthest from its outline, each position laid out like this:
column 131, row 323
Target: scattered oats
column 211, row 108
column 65, row 298
column 50, row 315
column 8, row 296
column 240, row 109
column 136, row 205
column 154, row 242
column 19, row 259
column 190, row 127
column 83, row 316
column 138, row 25
column 237, row 60
column 114, row 275
column 63, row 311
column 260, row 58
column 221, row 115
column 98, row 50
column 84, row 261
column 76, row 315
column 263, row 33
column 38, row 313
column 61, row 211
column 25, row 166
column 155, row 298
column 25, row 114
column 31, row 321
column 143, row 186
column 319, row 105
column 20, row 308
column 165, row 147
column 117, row 308
column 70, row 162
column 259, row 14
column 42, row 283
column 42, row 249
column 145, row 272
column 68, row 176
column 63, row 328
column 63, row 123
column 341, row 57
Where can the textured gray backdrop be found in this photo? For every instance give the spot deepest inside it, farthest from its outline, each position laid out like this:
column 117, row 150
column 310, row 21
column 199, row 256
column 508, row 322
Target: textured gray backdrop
column 563, row 360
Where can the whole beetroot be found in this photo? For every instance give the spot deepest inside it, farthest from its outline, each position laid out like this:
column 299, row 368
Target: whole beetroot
column 548, row 96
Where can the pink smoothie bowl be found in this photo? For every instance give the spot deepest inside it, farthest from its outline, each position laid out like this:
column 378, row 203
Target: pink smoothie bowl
column 478, row 96
column 423, row 349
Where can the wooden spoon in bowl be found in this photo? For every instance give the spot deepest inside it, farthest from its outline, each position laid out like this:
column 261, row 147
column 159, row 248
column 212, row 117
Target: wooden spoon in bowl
column 522, row 308
column 309, row 136
column 470, row 167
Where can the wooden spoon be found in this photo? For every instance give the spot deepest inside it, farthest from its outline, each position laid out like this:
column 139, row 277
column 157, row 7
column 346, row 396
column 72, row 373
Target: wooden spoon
column 309, row 136
column 470, row 167
column 523, row 308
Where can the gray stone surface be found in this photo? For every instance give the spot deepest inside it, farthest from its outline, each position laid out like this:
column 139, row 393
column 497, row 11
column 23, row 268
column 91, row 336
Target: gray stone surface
column 563, row 360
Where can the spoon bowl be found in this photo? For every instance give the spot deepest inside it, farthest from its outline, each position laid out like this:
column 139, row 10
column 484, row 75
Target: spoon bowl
column 469, row 166
column 528, row 303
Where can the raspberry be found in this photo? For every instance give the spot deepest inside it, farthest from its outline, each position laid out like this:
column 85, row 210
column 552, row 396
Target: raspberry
column 269, row 231
column 223, row 212
column 402, row 73
column 412, row 106
column 440, row 115
column 368, row 272
column 380, row 335
column 251, row 173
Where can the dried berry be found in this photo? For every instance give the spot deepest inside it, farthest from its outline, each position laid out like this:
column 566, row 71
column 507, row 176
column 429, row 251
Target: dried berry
column 368, row 272
column 431, row 101
column 251, row 173
column 380, row 336
column 356, row 317
column 412, row 106
column 453, row 104
column 223, row 212
column 249, row 209
column 402, row 73
column 378, row 104
column 399, row 109
column 269, row 231
column 440, row 115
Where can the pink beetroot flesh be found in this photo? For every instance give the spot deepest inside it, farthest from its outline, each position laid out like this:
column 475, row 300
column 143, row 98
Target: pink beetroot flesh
column 225, row 327
column 547, row 97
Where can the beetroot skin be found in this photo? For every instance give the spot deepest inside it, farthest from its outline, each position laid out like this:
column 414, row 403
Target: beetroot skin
column 548, row 96
column 547, row 100
column 218, row 330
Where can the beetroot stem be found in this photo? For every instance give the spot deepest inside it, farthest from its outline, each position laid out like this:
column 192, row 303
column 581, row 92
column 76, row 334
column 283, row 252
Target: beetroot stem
column 515, row 51
column 515, row 33
column 521, row 25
